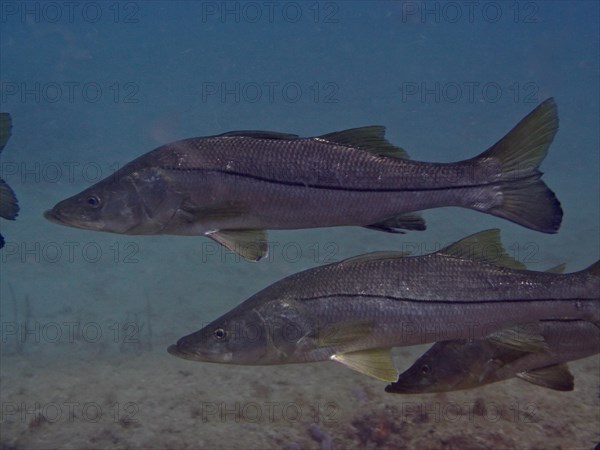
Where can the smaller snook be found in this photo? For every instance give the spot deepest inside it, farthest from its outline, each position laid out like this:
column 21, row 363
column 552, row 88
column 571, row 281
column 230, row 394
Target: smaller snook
column 462, row 364
column 356, row 310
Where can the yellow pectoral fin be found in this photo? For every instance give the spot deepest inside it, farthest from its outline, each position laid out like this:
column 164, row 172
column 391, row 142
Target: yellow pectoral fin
column 376, row 363
column 250, row 244
column 557, row 377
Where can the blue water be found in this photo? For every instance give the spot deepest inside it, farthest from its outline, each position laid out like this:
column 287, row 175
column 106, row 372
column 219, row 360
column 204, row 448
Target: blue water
column 86, row 317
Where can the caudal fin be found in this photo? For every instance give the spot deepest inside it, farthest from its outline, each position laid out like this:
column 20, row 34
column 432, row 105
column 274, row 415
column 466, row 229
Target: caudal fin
column 9, row 206
column 529, row 202
column 526, row 199
column 5, row 126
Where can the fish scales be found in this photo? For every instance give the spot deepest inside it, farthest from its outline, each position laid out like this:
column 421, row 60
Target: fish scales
column 359, row 307
column 433, row 278
column 233, row 187
column 465, row 364
column 316, row 183
column 318, row 164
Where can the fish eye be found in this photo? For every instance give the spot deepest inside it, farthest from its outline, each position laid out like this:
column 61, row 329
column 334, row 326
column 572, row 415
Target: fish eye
column 425, row 369
column 93, row 201
column 219, row 334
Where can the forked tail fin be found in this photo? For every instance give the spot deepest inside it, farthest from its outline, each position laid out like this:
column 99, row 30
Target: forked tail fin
column 526, row 199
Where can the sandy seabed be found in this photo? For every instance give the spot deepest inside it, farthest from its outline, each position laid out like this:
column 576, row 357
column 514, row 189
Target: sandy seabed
column 147, row 399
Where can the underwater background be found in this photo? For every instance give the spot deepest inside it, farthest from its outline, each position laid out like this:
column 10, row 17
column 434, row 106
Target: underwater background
column 86, row 317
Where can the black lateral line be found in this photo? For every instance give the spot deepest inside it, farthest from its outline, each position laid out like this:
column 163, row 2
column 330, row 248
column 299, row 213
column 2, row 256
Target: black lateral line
column 334, row 188
column 443, row 302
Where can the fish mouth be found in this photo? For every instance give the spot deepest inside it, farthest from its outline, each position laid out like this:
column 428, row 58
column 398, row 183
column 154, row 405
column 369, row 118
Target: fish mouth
column 173, row 350
column 176, row 351
column 192, row 355
column 54, row 217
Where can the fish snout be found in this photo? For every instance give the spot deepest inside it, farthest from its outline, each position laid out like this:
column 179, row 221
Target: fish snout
column 176, row 351
column 55, row 215
column 67, row 216
column 51, row 215
column 173, row 350
column 189, row 348
column 181, row 352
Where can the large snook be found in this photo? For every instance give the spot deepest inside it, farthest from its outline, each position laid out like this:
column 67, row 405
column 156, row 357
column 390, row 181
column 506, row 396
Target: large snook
column 354, row 311
column 232, row 187
column 463, row 364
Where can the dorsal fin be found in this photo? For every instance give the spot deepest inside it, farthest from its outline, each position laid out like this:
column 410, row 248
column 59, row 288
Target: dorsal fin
column 258, row 134
column 524, row 147
column 484, row 246
column 371, row 139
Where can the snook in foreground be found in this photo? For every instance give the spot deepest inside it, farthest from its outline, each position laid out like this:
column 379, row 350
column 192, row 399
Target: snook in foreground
column 354, row 311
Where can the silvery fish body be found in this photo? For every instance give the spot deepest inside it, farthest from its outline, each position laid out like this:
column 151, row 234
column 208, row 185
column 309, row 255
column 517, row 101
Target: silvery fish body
column 232, row 187
column 463, row 364
column 382, row 300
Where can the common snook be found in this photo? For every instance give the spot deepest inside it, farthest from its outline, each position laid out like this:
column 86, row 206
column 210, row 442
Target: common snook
column 354, row 311
column 461, row 364
column 9, row 206
column 234, row 186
